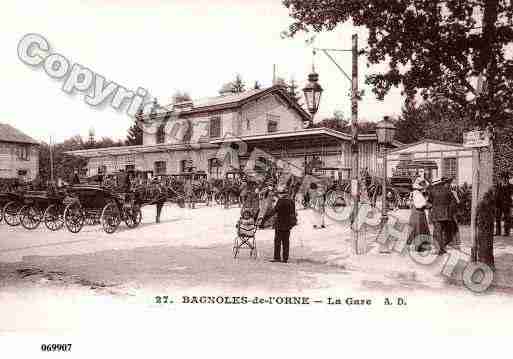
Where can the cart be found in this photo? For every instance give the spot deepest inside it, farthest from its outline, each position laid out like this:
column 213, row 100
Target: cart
column 111, row 208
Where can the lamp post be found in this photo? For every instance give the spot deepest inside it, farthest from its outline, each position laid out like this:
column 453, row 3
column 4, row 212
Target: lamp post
column 313, row 92
column 385, row 131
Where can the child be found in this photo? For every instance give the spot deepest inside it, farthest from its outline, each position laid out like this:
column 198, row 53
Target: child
column 246, row 224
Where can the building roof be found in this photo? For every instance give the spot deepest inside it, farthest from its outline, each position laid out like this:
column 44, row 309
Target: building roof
column 427, row 140
column 131, row 150
column 321, row 132
column 230, row 101
column 11, row 134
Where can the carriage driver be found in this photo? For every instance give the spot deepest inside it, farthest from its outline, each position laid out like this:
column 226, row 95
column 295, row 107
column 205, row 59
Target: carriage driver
column 159, row 194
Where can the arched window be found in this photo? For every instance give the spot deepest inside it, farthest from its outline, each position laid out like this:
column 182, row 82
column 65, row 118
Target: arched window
column 161, row 134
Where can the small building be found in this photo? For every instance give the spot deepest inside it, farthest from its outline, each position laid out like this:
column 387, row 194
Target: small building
column 19, row 154
column 435, row 158
column 231, row 132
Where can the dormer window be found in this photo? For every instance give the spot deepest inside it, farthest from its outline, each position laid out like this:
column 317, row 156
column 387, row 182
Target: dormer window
column 161, row 134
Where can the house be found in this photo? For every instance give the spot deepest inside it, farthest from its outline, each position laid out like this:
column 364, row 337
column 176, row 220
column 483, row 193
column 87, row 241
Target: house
column 235, row 131
column 19, row 154
column 436, row 158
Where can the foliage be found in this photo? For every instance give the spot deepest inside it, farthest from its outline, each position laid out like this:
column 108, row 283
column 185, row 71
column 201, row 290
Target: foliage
column 431, row 48
column 340, row 125
column 235, row 86
column 65, row 165
column 181, row 96
column 438, row 120
column 134, row 136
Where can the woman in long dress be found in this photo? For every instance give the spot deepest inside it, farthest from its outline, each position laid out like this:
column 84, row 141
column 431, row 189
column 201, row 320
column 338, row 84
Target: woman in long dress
column 420, row 235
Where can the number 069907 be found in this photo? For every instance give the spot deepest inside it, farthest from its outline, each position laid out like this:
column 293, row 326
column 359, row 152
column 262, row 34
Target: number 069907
column 56, row 347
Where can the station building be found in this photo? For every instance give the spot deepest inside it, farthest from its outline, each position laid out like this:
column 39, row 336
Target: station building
column 235, row 131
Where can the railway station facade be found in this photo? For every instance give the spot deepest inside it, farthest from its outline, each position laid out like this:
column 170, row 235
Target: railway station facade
column 232, row 132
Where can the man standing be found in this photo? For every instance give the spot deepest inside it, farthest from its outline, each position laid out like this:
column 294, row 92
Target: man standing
column 503, row 205
column 160, row 197
column 285, row 210
column 442, row 212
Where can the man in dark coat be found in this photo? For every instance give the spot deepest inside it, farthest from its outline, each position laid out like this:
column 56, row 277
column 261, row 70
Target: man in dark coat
column 442, row 212
column 285, row 210
column 159, row 195
column 503, row 205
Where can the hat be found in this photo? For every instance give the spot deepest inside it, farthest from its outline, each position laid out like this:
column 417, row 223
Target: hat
column 420, row 183
column 439, row 181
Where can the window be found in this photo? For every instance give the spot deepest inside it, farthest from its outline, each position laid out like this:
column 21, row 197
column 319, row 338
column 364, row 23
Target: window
column 450, row 168
column 214, row 168
column 215, row 127
column 160, row 168
column 186, row 165
column 161, row 134
column 272, row 123
column 23, row 153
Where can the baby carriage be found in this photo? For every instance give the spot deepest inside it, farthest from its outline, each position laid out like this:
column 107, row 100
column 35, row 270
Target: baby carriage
column 246, row 230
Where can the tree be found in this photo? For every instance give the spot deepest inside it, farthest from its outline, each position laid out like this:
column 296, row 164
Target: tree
column 181, row 96
column 430, row 47
column 238, row 84
column 235, row 86
column 134, row 136
column 293, row 91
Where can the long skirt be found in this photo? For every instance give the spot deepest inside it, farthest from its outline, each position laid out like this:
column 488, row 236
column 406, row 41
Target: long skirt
column 419, row 228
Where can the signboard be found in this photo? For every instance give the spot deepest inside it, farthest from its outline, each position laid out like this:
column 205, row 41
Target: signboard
column 474, row 139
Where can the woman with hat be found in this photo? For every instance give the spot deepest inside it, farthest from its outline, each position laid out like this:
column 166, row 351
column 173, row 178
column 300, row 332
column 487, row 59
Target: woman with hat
column 419, row 229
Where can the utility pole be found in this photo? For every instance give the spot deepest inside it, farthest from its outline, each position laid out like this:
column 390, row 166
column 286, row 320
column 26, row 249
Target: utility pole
column 355, row 168
column 359, row 245
column 51, row 160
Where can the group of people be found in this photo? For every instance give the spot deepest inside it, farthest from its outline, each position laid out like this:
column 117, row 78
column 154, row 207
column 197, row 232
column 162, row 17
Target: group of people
column 437, row 201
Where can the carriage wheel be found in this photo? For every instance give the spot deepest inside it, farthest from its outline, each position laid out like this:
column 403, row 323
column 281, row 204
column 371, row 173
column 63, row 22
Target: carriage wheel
column 74, row 217
column 1, row 214
column 236, row 247
column 218, row 198
column 30, row 217
column 10, row 211
column 53, row 218
column 133, row 217
column 110, row 218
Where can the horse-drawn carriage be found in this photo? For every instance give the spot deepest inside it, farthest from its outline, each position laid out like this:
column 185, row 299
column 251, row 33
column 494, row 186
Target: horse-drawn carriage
column 42, row 206
column 94, row 203
column 175, row 185
column 398, row 191
column 11, row 203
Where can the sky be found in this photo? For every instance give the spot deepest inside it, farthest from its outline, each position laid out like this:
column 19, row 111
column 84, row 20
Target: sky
column 164, row 46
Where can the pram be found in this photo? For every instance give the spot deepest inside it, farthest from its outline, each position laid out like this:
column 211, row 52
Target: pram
column 245, row 239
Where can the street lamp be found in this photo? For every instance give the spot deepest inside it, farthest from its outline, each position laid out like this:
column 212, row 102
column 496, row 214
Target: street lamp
column 313, row 92
column 385, row 131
